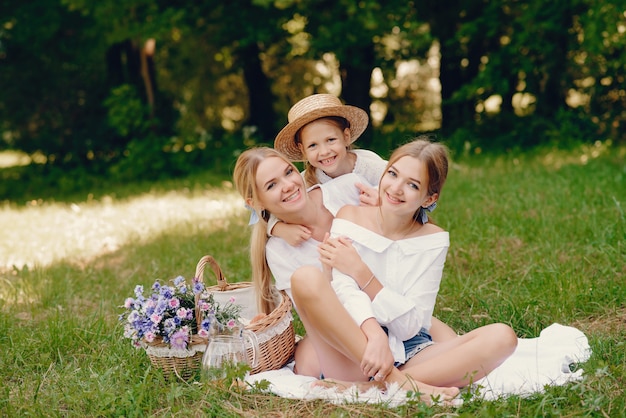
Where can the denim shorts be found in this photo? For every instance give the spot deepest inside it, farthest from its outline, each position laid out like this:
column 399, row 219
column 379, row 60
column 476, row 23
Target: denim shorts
column 414, row 345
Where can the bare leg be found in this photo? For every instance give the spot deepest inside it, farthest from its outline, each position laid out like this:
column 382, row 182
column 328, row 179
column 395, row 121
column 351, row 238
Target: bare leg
column 440, row 331
column 338, row 340
column 465, row 359
column 306, row 361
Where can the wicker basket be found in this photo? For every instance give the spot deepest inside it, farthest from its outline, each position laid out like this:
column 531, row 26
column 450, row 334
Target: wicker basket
column 180, row 363
column 275, row 332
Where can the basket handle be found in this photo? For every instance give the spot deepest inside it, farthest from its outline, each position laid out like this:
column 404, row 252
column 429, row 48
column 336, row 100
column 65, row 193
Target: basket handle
column 207, row 259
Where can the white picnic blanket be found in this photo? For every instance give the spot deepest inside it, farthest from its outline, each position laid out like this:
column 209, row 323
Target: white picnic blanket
column 546, row 360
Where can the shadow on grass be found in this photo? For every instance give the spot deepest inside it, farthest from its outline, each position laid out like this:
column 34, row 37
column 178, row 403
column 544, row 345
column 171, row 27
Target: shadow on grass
column 22, row 185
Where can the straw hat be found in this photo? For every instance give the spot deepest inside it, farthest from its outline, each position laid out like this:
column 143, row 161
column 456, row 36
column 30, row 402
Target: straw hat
column 314, row 107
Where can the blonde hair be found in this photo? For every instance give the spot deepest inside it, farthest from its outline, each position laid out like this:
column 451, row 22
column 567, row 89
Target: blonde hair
column 310, row 178
column 434, row 155
column 244, row 176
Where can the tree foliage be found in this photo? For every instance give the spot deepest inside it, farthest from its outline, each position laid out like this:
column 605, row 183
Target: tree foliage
column 102, row 84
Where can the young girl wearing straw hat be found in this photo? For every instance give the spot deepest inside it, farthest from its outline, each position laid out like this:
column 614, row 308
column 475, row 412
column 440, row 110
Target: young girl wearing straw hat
column 320, row 132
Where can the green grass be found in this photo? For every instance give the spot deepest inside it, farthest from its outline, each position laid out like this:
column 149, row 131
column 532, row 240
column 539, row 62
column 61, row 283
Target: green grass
column 535, row 239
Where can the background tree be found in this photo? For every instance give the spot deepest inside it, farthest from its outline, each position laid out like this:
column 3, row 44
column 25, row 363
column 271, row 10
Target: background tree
column 145, row 86
column 354, row 32
column 52, row 94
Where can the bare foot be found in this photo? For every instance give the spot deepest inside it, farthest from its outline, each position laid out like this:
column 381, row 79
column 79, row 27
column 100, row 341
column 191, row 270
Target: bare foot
column 430, row 394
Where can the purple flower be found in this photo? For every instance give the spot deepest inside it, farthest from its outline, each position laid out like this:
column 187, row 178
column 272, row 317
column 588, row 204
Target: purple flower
column 169, row 325
column 129, row 331
column 138, row 290
column 133, row 316
column 128, row 303
column 167, row 292
column 178, row 281
column 182, row 313
column 206, row 324
column 179, row 339
column 198, row 286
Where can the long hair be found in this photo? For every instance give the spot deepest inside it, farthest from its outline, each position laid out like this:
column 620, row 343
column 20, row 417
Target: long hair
column 244, row 176
column 310, row 178
column 434, row 155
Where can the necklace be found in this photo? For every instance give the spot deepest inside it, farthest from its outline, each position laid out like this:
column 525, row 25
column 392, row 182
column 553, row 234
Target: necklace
column 380, row 227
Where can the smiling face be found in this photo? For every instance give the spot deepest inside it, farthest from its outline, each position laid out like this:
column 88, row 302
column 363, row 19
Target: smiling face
column 280, row 187
column 404, row 187
column 325, row 145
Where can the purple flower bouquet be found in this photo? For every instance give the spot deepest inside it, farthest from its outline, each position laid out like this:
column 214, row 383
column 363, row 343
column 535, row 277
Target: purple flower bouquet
column 172, row 323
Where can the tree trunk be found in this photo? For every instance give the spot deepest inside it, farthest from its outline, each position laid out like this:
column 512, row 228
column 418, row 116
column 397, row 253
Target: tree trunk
column 148, row 74
column 444, row 19
column 356, row 76
column 261, row 111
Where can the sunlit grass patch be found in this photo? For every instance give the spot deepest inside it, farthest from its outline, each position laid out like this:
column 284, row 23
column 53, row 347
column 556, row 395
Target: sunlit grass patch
column 41, row 234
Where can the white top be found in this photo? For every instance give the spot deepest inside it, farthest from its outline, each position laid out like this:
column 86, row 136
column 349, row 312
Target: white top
column 410, row 271
column 283, row 259
column 369, row 166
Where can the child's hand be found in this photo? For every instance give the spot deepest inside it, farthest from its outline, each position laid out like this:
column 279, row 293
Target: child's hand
column 368, row 195
column 295, row 235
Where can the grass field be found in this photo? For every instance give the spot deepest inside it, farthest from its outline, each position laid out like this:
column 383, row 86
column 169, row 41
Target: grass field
column 535, row 239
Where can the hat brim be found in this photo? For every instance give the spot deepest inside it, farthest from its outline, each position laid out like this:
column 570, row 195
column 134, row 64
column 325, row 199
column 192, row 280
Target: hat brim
column 285, row 140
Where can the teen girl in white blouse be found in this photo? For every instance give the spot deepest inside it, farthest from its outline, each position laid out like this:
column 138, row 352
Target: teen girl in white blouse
column 386, row 264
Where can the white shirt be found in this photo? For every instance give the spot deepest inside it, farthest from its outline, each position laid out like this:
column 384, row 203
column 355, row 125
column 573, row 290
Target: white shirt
column 410, row 271
column 283, row 259
column 368, row 165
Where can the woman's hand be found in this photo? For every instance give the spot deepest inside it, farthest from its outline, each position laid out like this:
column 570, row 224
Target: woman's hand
column 377, row 360
column 339, row 253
